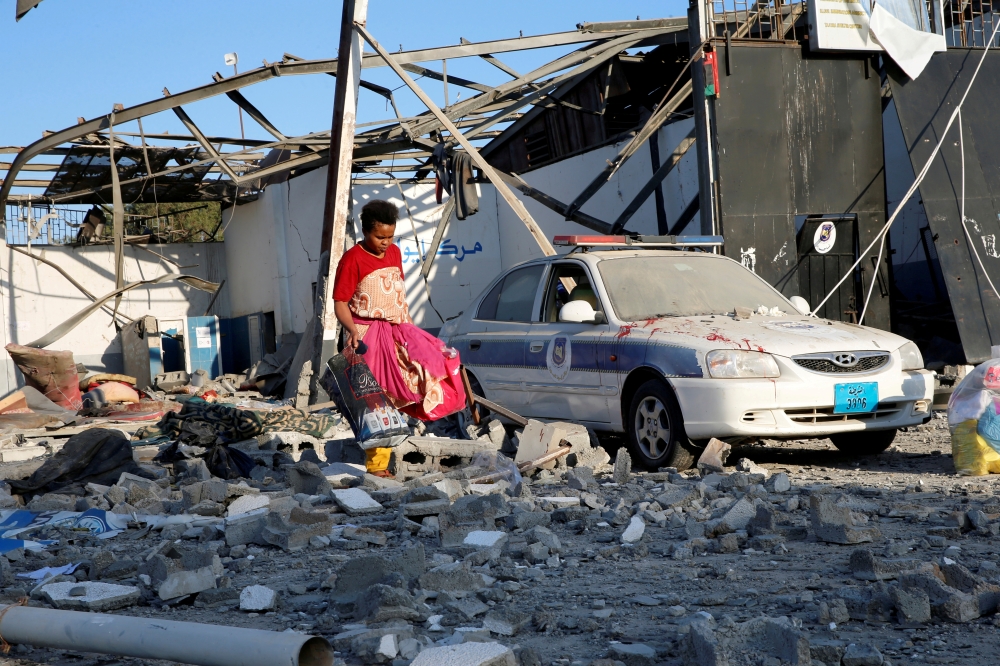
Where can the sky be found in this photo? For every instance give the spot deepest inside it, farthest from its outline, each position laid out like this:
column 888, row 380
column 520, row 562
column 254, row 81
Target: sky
column 72, row 58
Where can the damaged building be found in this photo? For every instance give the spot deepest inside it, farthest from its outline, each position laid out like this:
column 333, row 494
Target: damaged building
column 177, row 487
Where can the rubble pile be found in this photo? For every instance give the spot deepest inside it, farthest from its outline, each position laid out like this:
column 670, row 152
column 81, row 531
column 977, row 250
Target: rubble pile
column 468, row 556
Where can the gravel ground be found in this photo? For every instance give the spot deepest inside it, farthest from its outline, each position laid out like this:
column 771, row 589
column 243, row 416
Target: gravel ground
column 601, row 595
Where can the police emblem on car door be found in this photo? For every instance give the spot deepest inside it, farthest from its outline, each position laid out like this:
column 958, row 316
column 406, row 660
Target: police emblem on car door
column 559, row 358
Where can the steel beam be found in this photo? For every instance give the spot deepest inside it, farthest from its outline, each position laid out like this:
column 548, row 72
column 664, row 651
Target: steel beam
column 255, row 113
column 653, row 182
column 337, row 207
column 209, row 148
column 592, row 223
column 438, row 76
column 480, row 162
column 658, row 118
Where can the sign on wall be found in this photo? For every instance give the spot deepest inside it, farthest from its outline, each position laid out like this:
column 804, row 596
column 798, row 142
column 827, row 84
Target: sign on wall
column 845, row 25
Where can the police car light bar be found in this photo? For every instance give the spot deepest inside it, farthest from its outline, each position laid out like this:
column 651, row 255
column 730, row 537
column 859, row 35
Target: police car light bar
column 639, row 241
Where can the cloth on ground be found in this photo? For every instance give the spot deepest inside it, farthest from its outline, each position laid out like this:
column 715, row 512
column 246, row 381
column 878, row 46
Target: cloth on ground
column 97, row 456
column 206, row 424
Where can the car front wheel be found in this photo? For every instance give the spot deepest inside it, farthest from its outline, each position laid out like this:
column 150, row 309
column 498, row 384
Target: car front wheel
column 865, row 442
column 656, row 429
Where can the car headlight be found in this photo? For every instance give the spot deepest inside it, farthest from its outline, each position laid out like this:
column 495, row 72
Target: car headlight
column 734, row 364
column 911, row 357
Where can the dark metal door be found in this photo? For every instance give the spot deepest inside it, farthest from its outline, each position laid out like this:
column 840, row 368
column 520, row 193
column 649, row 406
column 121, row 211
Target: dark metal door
column 827, row 247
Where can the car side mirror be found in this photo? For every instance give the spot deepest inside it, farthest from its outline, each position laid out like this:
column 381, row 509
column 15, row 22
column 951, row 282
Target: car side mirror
column 580, row 312
column 801, row 304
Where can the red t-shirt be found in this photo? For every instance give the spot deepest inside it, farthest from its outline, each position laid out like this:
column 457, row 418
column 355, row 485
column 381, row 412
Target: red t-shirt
column 356, row 264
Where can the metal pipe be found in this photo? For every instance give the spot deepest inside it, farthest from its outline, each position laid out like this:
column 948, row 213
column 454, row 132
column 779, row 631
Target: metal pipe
column 142, row 638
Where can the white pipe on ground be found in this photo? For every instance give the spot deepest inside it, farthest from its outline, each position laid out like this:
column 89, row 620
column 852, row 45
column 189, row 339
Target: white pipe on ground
column 183, row 642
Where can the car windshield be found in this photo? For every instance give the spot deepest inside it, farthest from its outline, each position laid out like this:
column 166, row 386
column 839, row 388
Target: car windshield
column 683, row 286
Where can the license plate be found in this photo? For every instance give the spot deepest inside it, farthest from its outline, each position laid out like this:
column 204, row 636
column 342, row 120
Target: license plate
column 856, row 398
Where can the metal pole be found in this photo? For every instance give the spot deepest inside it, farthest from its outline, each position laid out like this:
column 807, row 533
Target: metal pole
column 699, row 17
column 183, row 642
column 337, row 209
column 242, row 135
column 444, row 78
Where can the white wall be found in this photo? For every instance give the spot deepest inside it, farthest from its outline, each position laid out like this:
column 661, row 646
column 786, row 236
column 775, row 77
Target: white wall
column 272, row 244
column 35, row 298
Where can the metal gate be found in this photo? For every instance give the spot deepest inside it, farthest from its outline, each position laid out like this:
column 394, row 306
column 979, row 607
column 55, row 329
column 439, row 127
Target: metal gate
column 827, row 247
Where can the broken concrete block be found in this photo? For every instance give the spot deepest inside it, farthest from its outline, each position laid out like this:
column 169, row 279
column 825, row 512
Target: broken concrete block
column 246, row 504
column 779, row 483
column 470, row 513
column 356, row 502
column 258, row 598
column 676, row 495
column 913, row 606
column 581, row 478
column 97, row 597
column 365, row 534
column 713, row 458
column 634, row 654
column 467, row 654
column 246, row 528
column 452, row 488
column 306, row 477
column 786, row 642
column 833, row 523
column 482, row 539
column 748, row 466
column 544, row 535
column 451, row 577
column 702, row 647
column 738, row 517
column 294, row 533
column 865, row 566
column 380, row 603
column 861, row 654
column 182, row 583
column 507, row 622
column 633, row 533
column 192, row 469
column 623, row 467
column 946, row 602
column 537, row 439
column 429, row 508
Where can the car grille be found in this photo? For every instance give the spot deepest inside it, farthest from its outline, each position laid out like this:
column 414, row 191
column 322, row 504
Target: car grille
column 866, row 362
column 824, row 415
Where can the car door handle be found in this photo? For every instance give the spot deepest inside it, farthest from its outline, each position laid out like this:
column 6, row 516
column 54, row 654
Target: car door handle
column 537, row 346
column 474, row 345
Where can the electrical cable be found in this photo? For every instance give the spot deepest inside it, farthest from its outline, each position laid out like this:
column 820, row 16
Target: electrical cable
column 916, row 181
column 961, row 148
column 416, row 239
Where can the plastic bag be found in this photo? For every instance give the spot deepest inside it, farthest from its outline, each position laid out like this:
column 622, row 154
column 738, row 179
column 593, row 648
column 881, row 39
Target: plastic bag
column 974, row 420
column 501, row 467
column 375, row 422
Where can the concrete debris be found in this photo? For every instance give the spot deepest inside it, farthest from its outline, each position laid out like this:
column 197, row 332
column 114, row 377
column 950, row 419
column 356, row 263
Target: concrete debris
column 586, row 562
column 467, row 654
column 257, row 598
column 89, row 596
column 713, row 458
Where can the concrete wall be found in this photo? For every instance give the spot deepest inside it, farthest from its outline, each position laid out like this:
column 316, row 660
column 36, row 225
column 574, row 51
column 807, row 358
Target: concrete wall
column 272, row 244
column 35, row 298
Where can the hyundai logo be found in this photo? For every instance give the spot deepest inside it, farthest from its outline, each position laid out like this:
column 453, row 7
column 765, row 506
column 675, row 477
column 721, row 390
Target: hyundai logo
column 845, row 360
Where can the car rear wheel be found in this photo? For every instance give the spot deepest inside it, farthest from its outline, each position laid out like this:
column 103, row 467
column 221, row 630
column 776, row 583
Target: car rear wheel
column 656, row 429
column 865, row 442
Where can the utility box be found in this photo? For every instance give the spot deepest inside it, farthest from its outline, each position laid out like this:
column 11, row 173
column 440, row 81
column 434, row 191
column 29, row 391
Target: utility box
column 203, row 345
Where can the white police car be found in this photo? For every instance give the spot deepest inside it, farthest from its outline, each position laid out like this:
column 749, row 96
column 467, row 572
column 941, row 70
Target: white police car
column 660, row 344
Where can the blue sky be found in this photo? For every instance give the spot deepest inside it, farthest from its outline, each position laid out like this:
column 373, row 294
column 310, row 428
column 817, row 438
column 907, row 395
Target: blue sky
column 70, row 58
